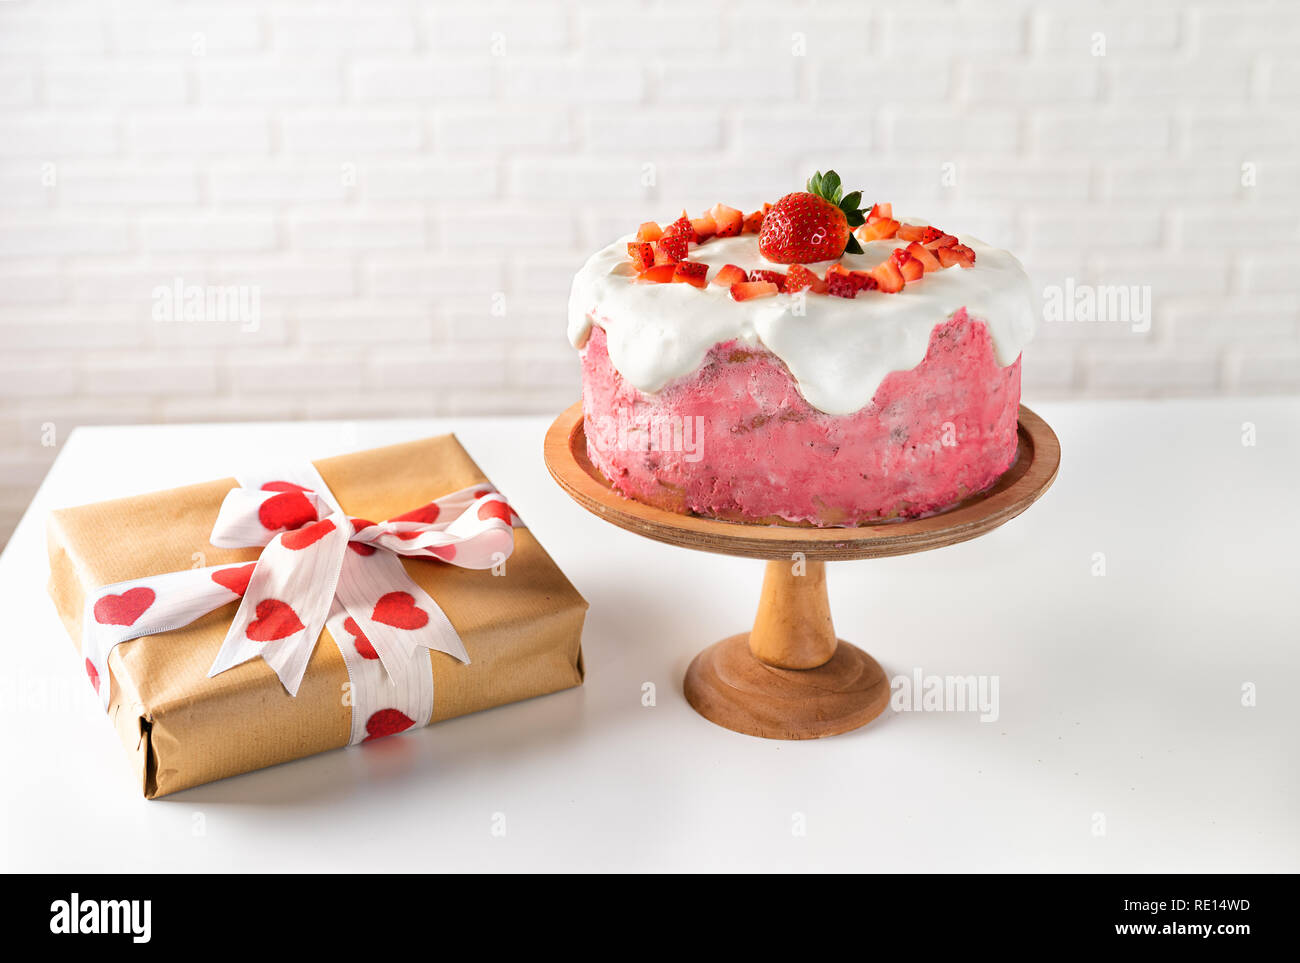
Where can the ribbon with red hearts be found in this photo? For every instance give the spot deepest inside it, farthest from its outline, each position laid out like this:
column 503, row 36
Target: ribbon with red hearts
column 319, row 568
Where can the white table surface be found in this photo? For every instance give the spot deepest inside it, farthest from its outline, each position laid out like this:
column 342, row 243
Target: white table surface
column 1120, row 696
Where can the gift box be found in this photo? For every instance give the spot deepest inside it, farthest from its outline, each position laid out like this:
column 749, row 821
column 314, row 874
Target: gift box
column 195, row 703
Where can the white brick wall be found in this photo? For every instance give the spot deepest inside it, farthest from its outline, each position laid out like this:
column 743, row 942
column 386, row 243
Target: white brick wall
column 409, row 184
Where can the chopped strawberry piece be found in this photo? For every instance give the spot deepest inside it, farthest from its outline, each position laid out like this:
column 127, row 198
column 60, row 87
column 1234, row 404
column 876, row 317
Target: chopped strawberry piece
column 748, row 290
column 864, row 281
column 943, row 240
column 691, row 272
column 704, row 226
column 878, row 230
column 649, row 231
column 888, row 276
column 660, row 273
column 930, row 234
column 842, row 286
column 847, row 284
column 817, row 285
column 728, row 220
column 908, row 266
column 776, row 277
column 911, row 232
column 642, row 254
column 957, row 254
column 753, row 223
column 880, row 212
column 670, row 249
column 799, row 278
column 681, row 227
column 729, row 274
column 927, row 259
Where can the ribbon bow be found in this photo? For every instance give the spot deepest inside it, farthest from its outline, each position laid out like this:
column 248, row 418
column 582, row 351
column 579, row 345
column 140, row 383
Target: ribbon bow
column 319, row 568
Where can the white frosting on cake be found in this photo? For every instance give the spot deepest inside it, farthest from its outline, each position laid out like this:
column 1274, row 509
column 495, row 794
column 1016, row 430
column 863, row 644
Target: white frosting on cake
column 838, row 349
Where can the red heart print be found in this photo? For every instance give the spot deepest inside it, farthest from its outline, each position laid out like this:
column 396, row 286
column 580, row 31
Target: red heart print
column 275, row 620
column 361, row 548
column 426, row 514
column 387, row 722
column 235, row 579
column 304, row 537
column 408, row 536
column 359, row 640
column 124, row 609
column 494, row 509
column 279, row 486
column 444, row 552
column 482, row 491
column 93, row 673
column 399, row 610
column 286, row 510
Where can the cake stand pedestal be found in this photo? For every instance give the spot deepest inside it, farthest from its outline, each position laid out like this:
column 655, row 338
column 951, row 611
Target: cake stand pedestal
column 790, row 677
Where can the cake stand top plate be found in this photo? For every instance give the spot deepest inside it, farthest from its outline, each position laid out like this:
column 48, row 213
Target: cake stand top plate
column 1037, row 458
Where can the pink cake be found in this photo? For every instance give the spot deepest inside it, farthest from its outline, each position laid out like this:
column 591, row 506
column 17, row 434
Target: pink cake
column 763, row 386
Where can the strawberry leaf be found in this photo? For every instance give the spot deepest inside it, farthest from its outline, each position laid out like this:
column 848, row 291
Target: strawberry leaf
column 826, row 186
column 831, row 187
column 852, row 213
column 853, row 247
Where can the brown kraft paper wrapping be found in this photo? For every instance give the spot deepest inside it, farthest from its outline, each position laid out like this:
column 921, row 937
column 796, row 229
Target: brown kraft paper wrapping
column 522, row 630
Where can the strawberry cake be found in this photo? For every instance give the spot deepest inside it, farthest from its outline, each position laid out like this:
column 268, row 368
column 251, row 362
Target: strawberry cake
column 813, row 362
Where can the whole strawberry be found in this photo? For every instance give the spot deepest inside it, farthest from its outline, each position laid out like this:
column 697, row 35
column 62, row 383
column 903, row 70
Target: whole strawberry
column 811, row 226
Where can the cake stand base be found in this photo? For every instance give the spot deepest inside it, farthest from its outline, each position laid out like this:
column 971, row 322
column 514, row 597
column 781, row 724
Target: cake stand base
column 730, row 687
column 789, row 677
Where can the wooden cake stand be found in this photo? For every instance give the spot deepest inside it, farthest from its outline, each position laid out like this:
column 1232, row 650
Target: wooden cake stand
column 790, row 677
